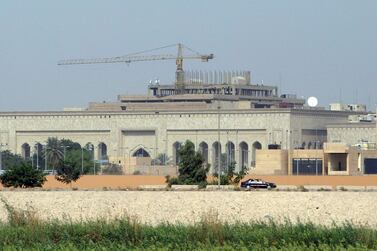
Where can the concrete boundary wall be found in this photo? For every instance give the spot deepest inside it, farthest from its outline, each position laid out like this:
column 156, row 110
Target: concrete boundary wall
column 135, row 181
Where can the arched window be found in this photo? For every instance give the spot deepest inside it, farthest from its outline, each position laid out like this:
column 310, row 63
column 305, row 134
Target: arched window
column 244, row 154
column 230, row 153
column 102, row 151
column 310, row 145
column 38, row 156
column 25, row 151
column 256, row 146
column 176, row 147
column 216, row 154
column 303, row 145
column 203, row 149
column 141, row 152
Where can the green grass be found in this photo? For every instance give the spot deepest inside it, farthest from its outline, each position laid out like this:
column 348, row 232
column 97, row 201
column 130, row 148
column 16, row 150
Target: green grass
column 123, row 234
column 24, row 231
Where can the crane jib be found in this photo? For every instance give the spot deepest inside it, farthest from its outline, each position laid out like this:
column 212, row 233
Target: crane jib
column 136, row 57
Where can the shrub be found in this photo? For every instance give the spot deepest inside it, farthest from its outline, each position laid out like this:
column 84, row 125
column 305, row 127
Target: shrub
column 137, row 172
column 112, row 169
column 231, row 177
column 202, row 185
column 23, row 175
column 173, row 181
column 67, row 173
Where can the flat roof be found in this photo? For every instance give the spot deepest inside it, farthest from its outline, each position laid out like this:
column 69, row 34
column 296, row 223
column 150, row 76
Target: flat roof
column 302, row 111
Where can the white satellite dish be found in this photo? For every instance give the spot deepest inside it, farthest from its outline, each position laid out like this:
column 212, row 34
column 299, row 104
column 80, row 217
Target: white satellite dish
column 312, row 101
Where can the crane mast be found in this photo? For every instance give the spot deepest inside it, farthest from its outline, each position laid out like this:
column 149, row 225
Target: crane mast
column 179, row 73
column 135, row 57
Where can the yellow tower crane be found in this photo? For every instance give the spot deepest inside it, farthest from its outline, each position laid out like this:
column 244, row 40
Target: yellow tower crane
column 134, row 57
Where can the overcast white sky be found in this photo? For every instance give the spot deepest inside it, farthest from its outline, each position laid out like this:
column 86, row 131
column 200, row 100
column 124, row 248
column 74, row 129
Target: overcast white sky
column 321, row 48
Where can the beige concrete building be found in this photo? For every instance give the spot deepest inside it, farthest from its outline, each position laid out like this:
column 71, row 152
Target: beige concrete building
column 123, row 134
column 237, row 120
column 353, row 133
column 333, row 159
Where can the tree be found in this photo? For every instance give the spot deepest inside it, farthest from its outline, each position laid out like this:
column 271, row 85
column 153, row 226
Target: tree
column 22, row 175
column 69, row 144
column 80, row 159
column 67, row 172
column 67, row 150
column 9, row 160
column 191, row 165
column 54, row 152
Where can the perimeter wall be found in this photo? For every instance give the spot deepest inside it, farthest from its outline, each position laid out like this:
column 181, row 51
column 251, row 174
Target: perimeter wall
column 134, row 181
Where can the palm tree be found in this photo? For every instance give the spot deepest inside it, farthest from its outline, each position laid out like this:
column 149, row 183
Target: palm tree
column 54, row 152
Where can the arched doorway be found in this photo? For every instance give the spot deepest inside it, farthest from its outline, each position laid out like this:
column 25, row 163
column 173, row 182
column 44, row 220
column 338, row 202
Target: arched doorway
column 203, row 149
column 244, row 155
column 256, row 146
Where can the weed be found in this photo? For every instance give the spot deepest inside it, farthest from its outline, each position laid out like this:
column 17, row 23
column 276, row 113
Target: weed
column 301, row 188
column 343, row 189
column 19, row 217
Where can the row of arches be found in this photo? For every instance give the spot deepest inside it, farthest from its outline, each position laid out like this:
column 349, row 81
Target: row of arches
column 243, row 156
column 38, row 149
column 230, row 152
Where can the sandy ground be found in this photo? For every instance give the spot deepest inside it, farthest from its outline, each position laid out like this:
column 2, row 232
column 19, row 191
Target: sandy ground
column 189, row 206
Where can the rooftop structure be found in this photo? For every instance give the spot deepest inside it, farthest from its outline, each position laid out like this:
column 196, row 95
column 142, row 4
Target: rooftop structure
column 348, row 107
column 205, row 90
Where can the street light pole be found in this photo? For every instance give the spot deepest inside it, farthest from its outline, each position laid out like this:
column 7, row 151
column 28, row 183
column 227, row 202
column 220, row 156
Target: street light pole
column 82, row 160
column 37, row 156
column 32, row 152
column 218, row 144
column 94, row 163
column 1, row 155
column 46, row 157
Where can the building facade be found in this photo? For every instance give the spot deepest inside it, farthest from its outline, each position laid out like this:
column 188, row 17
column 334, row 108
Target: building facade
column 119, row 135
